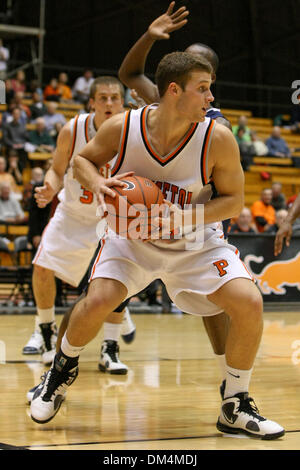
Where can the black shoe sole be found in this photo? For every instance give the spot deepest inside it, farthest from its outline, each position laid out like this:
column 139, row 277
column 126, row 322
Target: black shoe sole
column 112, row 372
column 32, row 352
column 229, row 430
column 129, row 338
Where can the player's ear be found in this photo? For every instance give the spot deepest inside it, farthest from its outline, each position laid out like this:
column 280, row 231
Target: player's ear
column 174, row 89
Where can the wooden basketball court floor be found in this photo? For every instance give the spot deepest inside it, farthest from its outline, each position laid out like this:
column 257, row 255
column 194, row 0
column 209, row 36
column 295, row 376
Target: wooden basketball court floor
column 168, row 401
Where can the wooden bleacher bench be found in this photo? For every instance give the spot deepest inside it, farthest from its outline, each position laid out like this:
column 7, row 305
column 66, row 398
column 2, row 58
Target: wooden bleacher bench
column 39, row 156
column 236, row 112
column 275, row 170
column 273, row 161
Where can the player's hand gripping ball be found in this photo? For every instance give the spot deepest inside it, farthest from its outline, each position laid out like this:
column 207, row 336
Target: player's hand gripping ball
column 132, row 212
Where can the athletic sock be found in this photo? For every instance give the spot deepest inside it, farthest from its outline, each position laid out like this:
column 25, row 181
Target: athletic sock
column 222, row 364
column 46, row 315
column 112, row 331
column 237, row 381
column 68, row 356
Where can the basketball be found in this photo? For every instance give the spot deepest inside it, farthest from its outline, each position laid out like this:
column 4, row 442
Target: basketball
column 131, row 212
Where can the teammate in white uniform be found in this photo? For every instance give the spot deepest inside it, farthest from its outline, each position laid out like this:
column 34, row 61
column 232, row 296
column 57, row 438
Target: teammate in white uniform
column 70, row 238
column 177, row 146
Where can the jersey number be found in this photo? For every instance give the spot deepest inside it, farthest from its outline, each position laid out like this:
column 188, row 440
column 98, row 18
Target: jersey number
column 87, row 196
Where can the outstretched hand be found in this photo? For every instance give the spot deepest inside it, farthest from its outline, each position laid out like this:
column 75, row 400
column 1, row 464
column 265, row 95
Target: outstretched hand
column 168, row 22
column 284, row 232
column 44, row 195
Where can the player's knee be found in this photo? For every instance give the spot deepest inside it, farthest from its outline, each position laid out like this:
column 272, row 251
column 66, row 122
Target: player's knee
column 96, row 305
column 42, row 274
column 253, row 307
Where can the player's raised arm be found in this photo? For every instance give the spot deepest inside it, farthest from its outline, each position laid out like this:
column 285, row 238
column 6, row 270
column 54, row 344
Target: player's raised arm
column 54, row 177
column 227, row 175
column 132, row 70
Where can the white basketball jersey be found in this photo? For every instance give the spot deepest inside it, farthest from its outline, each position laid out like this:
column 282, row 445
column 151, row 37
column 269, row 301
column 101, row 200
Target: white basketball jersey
column 74, row 198
column 182, row 174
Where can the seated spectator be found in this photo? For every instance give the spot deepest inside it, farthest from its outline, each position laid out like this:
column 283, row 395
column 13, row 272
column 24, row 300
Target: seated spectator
column 247, row 151
column 259, row 146
column 81, row 88
column 52, row 118
column 10, row 209
column 7, row 177
column 64, row 90
column 263, row 212
column 278, row 198
column 38, row 218
column 14, row 168
column 244, row 223
column 19, row 82
column 52, row 91
column 7, row 116
column 39, row 139
column 242, row 122
column 19, row 98
column 280, row 218
column 38, row 108
column 37, row 177
column 277, row 146
column 15, row 135
column 9, row 92
column 34, row 87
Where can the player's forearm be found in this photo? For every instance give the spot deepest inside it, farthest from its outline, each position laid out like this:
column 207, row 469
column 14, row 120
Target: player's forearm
column 54, row 179
column 134, row 62
column 220, row 208
column 87, row 174
column 294, row 211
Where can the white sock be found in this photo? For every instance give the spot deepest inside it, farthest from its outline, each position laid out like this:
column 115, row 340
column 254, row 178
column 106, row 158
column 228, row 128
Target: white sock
column 222, row 364
column 112, row 331
column 68, row 349
column 46, row 315
column 237, row 381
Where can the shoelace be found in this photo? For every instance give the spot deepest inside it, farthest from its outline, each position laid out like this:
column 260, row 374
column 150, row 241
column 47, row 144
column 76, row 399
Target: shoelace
column 112, row 350
column 248, row 406
column 54, row 380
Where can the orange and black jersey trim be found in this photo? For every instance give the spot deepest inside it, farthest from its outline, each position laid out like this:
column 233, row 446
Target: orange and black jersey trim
column 205, row 151
column 152, row 152
column 74, row 136
column 123, row 144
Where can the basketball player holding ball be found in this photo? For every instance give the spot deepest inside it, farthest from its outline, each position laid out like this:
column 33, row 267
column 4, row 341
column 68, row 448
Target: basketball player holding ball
column 171, row 142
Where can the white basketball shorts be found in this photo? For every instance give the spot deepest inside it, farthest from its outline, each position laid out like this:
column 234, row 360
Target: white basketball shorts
column 188, row 275
column 67, row 246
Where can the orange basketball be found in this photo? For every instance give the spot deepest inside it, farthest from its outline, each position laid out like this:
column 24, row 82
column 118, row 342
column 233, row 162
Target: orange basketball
column 131, row 212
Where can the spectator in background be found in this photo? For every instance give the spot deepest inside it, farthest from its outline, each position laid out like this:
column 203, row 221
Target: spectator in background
column 64, row 90
column 244, row 223
column 38, row 108
column 6, row 177
column 9, row 92
column 38, row 219
column 10, row 209
column 242, row 122
column 52, row 91
column 4, row 57
column 19, row 82
column 263, row 212
column 247, row 150
column 39, row 139
column 278, row 198
column 279, row 219
column 53, row 120
column 15, row 136
column 34, row 87
column 259, row 146
column 19, row 102
column 277, row 146
column 14, row 168
column 7, row 116
column 81, row 88
column 37, row 177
